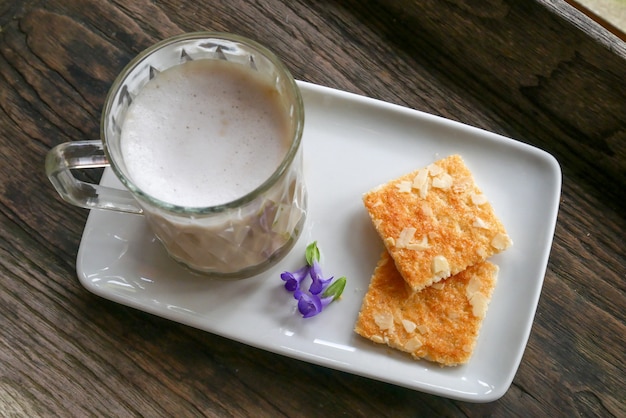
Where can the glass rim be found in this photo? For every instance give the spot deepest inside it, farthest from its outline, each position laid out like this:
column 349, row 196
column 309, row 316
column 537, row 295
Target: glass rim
column 294, row 146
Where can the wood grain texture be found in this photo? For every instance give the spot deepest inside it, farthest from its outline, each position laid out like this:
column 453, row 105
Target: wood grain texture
column 611, row 14
column 539, row 72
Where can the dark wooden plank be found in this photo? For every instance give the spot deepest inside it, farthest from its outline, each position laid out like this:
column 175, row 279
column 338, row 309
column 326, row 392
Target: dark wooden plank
column 539, row 72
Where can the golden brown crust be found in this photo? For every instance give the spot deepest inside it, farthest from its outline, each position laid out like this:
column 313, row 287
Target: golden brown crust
column 435, row 222
column 440, row 323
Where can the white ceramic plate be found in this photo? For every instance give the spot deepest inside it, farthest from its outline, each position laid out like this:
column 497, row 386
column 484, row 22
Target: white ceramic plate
column 351, row 144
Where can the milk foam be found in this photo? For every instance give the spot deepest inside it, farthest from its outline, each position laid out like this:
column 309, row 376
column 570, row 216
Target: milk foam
column 204, row 133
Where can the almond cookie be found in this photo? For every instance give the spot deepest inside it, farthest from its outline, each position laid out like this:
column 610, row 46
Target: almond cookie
column 440, row 323
column 435, row 222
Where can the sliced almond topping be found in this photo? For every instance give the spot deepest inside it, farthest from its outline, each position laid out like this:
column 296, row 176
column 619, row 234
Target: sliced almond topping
column 481, row 252
column 479, row 304
column 378, row 339
column 406, row 236
column 472, row 287
column 420, row 179
column 479, row 223
column 420, row 182
column 461, row 185
column 501, row 241
column 440, row 265
column 426, row 209
column 444, row 181
column 438, row 285
column 404, row 187
column 384, row 321
column 390, row 242
column 477, row 300
column 409, row 326
column 377, row 223
column 413, row 344
column 419, row 246
column 434, row 170
column 424, row 191
column 453, row 315
column 423, row 329
column 478, row 199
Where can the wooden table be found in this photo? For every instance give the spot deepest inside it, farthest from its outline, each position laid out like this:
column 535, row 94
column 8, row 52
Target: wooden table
column 538, row 72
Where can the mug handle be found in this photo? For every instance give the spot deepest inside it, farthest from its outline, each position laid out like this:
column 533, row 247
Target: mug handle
column 68, row 156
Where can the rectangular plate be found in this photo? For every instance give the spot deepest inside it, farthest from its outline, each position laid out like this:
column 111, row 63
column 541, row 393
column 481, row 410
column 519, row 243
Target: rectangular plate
column 352, row 144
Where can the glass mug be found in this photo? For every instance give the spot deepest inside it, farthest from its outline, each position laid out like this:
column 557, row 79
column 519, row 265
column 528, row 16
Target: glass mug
column 240, row 238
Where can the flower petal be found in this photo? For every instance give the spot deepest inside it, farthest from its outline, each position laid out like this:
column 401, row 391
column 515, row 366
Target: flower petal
column 326, row 301
column 309, row 305
column 319, row 283
column 293, row 279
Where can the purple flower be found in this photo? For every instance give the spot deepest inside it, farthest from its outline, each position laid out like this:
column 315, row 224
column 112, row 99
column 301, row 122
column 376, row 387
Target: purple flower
column 319, row 283
column 293, row 280
column 321, row 291
column 310, row 305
